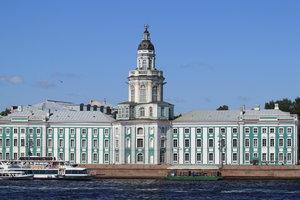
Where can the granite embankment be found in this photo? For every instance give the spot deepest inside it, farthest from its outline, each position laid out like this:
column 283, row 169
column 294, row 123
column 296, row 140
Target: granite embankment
column 228, row 172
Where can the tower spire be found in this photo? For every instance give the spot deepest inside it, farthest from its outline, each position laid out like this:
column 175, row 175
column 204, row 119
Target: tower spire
column 146, row 33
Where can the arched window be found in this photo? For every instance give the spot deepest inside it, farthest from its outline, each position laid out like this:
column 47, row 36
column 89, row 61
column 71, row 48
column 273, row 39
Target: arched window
column 150, row 111
column 95, row 107
column 140, row 131
column 142, row 94
column 88, row 107
column 140, row 157
column 144, row 64
column 132, row 95
column 154, row 94
column 142, row 112
column 81, row 106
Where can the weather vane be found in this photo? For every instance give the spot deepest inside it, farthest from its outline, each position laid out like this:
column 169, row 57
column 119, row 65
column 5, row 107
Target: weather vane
column 146, row 26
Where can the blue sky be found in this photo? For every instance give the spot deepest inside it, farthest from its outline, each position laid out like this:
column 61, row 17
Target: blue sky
column 212, row 52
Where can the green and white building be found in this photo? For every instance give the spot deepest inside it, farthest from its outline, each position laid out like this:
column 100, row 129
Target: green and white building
column 145, row 131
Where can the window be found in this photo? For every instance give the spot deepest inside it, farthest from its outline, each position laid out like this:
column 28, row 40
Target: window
column 61, row 156
column 117, row 143
column 175, row 143
column 142, row 112
column 198, row 157
column 106, row 132
column 15, row 131
column 140, row 157
column 142, row 94
column 272, row 143
column 95, row 143
column 83, row 157
column 223, row 143
column 117, row 157
column 187, row 130
column 272, row 130
column 234, row 142
column 264, row 142
column 187, row 157
column 38, row 142
column 223, row 156
column 83, row 143
column 198, row 143
column 61, row 143
column 255, row 143
column 49, row 143
column 15, row 142
column 150, row 111
column 140, row 131
column 186, row 143
column 72, row 156
column 95, row 132
column 264, row 130
column 272, row 157
column 247, row 142
column 247, row 130
column 255, row 130
column 95, row 156
column 7, row 156
column 211, row 143
column 49, row 154
column 175, row 157
column 175, row 131
column 289, row 156
column 22, row 142
column 106, row 158
column 1, row 156
column 7, row 144
column 234, row 130
column 280, row 157
column 38, row 131
column 15, row 156
column 162, row 144
column 7, row 130
column 154, row 94
column 289, row 130
column 132, row 93
column 128, row 143
column 72, row 143
column 289, row 142
column 140, row 143
column 255, row 155
column 61, row 132
column 211, row 157
column 162, row 111
column 223, row 131
column 280, row 142
column 1, row 144
column 49, row 131
column 72, row 131
column 198, row 130
column 210, row 130
column 1, row 132
column 106, row 144
column 162, row 157
column 83, row 132
column 247, row 156
column 280, row 130
column 234, row 156
column 264, row 157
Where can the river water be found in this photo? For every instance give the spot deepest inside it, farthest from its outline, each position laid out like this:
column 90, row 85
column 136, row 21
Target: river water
column 151, row 189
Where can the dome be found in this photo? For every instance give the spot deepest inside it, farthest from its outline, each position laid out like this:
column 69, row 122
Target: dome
column 146, row 45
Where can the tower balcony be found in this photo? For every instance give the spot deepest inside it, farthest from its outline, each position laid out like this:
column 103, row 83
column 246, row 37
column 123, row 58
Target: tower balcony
column 145, row 73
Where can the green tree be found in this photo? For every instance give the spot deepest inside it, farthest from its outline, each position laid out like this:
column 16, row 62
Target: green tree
column 285, row 105
column 5, row 112
column 224, row 107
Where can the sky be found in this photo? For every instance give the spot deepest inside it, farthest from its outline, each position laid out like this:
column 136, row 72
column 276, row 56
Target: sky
column 212, row 52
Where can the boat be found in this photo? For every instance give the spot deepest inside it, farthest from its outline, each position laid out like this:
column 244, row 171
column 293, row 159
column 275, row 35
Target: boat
column 49, row 168
column 7, row 174
column 194, row 173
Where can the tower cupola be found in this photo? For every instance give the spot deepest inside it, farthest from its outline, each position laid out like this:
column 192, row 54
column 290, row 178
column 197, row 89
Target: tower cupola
column 146, row 43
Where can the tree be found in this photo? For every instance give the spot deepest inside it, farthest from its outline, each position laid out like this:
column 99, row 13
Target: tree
column 285, row 105
column 224, row 107
column 5, row 112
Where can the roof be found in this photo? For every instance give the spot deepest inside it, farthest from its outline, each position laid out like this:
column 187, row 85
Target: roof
column 209, row 116
column 80, row 116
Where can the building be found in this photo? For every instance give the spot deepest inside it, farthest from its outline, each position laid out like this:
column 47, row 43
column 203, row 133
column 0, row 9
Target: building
column 144, row 130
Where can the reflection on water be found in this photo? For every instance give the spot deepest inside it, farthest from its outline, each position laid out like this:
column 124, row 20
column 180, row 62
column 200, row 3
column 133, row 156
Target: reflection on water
column 150, row 189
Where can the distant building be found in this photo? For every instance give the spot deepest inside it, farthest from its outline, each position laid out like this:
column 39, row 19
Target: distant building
column 144, row 130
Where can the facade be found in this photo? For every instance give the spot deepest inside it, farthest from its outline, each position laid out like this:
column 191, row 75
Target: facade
column 144, row 130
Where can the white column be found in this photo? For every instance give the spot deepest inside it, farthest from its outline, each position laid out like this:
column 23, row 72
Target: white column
column 146, row 133
column 78, row 145
column 89, row 149
column 181, row 145
column 67, row 144
column 217, row 145
column 44, row 141
column 101, row 145
column 55, row 153
column 205, row 141
column 193, row 146
column 241, row 145
column 228, row 146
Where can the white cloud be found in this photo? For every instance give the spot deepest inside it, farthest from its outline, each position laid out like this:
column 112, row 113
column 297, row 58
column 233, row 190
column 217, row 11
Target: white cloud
column 13, row 79
column 44, row 84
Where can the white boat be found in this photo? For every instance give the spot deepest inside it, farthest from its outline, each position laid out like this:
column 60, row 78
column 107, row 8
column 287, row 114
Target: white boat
column 8, row 174
column 49, row 168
